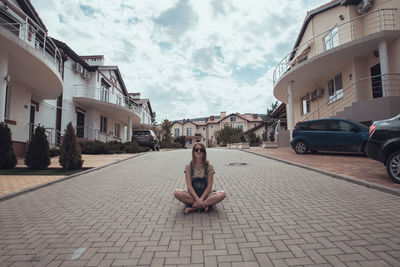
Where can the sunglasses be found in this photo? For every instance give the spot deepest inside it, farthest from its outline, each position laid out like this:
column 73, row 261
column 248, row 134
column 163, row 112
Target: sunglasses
column 199, row 149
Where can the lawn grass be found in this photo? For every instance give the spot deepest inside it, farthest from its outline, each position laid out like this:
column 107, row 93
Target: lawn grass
column 48, row 171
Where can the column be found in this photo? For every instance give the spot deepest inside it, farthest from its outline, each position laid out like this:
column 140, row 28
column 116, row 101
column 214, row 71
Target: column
column 290, row 114
column 129, row 130
column 3, row 82
column 384, row 62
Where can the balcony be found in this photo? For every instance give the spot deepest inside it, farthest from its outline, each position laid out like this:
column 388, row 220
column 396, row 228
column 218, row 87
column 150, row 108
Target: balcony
column 115, row 104
column 34, row 61
column 330, row 49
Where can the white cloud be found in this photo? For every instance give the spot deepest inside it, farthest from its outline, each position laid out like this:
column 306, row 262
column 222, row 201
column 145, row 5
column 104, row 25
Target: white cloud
column 191, row 58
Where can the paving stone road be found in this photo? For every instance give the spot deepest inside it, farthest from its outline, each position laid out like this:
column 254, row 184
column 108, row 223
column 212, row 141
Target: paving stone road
column 274, row 215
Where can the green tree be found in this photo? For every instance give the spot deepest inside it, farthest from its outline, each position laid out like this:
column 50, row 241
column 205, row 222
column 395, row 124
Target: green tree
column 166, row 127
column 70, row 152
column 228, row 135
column 7, row 156
column 38, row 155
column 274, row 106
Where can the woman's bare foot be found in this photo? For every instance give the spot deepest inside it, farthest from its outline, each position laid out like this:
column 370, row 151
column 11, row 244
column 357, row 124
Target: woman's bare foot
column 189, row 210
column 206, row 209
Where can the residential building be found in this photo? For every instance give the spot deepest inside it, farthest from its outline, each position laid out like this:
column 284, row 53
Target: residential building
column 204, row 130
column 44, row 82
column 95, row 99
column 147, row 116
column 30, row 69
column 345, row 63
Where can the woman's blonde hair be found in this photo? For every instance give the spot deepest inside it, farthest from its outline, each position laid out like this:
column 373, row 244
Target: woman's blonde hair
column 204, row 159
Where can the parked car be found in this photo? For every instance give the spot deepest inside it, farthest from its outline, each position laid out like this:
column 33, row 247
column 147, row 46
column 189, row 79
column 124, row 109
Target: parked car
column 146, row 138
column 329, row 135
column 384, row 145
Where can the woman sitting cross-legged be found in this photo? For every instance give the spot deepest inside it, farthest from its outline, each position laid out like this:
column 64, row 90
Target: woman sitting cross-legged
column 199, row 181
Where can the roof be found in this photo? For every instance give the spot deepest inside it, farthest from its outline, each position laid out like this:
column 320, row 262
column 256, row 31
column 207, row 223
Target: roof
column 71, row 53
column 30, row 10
column 310, row 15
column 144, row 101
column 217, row 119
column 95, row 56
column 118, row 73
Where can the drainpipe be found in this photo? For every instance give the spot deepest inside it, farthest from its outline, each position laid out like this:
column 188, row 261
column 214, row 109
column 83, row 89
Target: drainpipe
column 384, row 62
column 3, row 82
column 290, row 114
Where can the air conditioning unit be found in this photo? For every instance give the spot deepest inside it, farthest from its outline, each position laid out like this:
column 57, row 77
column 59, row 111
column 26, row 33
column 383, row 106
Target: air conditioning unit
column 86, row 74
column 314, row 95
column 308, row 97
column 364, row 5
column 77, row 67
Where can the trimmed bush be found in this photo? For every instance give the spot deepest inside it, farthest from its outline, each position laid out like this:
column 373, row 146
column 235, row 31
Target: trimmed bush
column 7, row 156
column 54, row 152
column 134, row 147
column 70, row 152
column 38, row 155
column 93, row 147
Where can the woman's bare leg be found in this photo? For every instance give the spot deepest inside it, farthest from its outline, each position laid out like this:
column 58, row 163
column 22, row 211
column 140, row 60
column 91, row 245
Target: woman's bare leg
column 184, row 197
column 214, row 198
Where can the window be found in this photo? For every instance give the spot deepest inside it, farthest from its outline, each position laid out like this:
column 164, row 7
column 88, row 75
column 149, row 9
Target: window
column 103, row 124
column 335, row 88
column 204, row 129
column 119, row 100
column 188, row 131
column 331, row 40
column 104, row 92
column 239, row 126
column 305, row 105
column 233, row 118
column 318, row 126
column 176, row 132
column 340, row 126
column 117, row 130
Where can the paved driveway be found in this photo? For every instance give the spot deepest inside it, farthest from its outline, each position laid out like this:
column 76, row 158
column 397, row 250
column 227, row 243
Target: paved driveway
column 275, row 214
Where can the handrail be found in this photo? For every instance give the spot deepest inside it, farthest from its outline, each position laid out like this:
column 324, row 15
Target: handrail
column 50, row 133
column 31, row 33
column 384, row 20
column 107, row 96
column 386, row 80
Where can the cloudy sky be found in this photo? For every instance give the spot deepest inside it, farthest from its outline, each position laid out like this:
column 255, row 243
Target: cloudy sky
column 191, row 58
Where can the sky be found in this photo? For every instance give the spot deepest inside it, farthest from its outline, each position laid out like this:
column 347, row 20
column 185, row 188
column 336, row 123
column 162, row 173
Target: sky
column 191, row 58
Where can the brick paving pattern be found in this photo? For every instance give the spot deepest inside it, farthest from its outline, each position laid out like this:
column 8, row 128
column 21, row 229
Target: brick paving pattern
column 351, row 165
column 275, row 214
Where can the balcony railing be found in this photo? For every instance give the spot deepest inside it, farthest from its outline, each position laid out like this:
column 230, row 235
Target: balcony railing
column 381, row 85
column 95, row 134
column 107, row 96
column 29, row 32
column 53, row 135
column 364, row 25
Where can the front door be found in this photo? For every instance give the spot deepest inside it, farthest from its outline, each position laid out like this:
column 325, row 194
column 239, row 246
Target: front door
column 80, row 124
column 376, row 81
column 32, row 121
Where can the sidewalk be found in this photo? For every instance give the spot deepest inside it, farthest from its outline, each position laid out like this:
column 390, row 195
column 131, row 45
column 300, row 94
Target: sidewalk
column 354, row 166
column 13, row 183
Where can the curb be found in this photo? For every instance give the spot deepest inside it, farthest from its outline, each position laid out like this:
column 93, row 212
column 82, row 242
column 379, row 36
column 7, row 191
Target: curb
column 36, row 187
column 381, row 188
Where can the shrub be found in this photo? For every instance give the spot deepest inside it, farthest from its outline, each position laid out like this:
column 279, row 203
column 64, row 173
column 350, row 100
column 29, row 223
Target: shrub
column 180, row 140
column 70, row 156
column 38, row 155
column 54, row 152
column 165, row 144
column 134, row 147
column 93, row 147
column 178, row 145
column 7, row 156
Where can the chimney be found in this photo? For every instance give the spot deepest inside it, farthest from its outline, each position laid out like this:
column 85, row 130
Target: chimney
column 211, row 117
column 135, row 96
column 255, row 116
column 223, row 114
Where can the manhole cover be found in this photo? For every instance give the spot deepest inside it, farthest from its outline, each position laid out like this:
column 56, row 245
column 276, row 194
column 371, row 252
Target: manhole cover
column 237, row 164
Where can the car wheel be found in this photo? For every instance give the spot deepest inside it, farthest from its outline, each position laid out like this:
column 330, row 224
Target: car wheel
column 393, row 166
column 154, row 148
column 300, row 147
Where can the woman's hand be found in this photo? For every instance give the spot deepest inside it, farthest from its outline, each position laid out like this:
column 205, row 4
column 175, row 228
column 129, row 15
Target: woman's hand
column 198, row 204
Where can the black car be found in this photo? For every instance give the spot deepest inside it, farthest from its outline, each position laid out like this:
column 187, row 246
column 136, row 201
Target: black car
column 146, row 138
column 384, row 145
